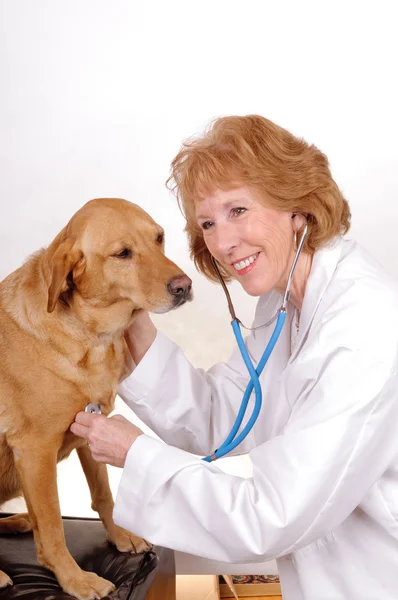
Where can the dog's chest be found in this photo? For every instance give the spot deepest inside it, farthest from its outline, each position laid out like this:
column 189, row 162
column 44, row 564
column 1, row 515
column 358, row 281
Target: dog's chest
column 99, row 372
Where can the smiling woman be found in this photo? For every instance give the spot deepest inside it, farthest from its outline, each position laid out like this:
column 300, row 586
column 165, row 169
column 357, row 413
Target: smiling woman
column 324, row 448
column 252, row 242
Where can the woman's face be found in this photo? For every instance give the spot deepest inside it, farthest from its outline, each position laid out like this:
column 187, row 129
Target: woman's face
column 252, row 242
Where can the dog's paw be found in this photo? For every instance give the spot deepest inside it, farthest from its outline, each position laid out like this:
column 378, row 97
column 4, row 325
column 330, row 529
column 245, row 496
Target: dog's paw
column 16, row 524
column 5, row 581
column 86, row 586
column 126, row 541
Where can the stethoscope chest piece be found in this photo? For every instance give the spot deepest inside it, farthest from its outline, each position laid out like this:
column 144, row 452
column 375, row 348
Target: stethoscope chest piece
column 93, row 408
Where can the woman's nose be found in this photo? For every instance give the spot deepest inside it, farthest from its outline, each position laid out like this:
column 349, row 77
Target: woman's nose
column 225, row 239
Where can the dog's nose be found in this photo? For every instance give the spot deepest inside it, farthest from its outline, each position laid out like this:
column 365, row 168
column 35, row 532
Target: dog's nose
column 180, row 287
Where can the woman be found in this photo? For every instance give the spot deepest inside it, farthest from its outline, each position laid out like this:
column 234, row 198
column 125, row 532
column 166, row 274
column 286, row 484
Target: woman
column 323, row 498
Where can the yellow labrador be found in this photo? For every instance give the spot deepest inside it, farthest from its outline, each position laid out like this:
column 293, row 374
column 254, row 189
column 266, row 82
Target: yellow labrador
column 62, row 320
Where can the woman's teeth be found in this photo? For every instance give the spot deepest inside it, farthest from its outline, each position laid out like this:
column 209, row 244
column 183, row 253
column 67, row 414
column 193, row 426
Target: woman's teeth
column 245, row 263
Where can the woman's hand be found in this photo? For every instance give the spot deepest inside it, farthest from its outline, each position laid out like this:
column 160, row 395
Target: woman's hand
column 108, row 439
column 140, row 336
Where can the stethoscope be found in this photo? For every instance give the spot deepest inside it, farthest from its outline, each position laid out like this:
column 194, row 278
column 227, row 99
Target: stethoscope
column 233, row 439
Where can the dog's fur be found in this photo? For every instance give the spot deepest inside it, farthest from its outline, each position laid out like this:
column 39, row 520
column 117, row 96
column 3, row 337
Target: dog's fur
column 63, row 315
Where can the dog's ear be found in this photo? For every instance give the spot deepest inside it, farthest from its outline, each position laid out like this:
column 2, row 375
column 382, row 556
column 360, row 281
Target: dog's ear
column 67, row 263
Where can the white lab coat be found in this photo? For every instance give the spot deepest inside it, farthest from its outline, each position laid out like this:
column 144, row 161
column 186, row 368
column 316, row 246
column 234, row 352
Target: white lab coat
column 323, row 498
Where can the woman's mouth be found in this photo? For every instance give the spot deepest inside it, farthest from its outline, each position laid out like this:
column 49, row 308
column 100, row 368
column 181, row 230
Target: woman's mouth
column 244, row 266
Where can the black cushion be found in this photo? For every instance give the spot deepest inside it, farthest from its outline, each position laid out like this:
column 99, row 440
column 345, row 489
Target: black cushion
column 86, row 541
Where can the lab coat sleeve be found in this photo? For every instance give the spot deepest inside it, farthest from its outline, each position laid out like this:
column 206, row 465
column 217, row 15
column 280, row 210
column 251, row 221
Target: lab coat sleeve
column 341, row 437
column 188, row 407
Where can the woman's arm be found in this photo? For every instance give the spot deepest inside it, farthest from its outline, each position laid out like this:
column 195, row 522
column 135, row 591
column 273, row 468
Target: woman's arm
column 339, row 441
column 140, row 336
column 188, row 407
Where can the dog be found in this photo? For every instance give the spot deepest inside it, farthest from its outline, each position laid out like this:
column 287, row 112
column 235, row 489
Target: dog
column 63, row 315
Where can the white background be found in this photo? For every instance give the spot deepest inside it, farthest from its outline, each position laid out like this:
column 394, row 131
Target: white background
column 97, row 96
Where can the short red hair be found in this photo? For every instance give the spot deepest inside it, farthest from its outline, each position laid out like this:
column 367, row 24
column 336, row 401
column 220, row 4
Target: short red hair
column 251, row 151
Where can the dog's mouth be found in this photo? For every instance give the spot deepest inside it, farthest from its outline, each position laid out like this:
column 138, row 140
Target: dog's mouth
column 180, row 302
column 175, row 301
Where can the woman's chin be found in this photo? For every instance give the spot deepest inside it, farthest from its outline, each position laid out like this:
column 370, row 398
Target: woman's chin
column 254, row 288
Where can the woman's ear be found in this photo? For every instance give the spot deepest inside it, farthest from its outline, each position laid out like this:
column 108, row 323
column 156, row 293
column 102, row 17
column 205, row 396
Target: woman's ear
column 299, row 221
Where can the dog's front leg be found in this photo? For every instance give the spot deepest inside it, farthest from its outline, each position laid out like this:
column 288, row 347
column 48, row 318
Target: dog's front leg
column 102, row 502
column 37, row 470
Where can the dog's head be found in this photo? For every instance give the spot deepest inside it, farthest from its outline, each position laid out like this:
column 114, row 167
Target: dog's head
column 109, row 263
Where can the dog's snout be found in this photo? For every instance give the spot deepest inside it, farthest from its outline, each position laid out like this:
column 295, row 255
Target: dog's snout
column 180, row 287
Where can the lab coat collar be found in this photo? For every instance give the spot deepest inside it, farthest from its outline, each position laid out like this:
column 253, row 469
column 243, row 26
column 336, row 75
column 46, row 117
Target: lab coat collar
column 324, row 264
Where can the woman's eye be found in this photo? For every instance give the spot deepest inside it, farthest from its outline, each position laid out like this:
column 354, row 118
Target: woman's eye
column 125, row 253
column 239, row 210
column 207, row 224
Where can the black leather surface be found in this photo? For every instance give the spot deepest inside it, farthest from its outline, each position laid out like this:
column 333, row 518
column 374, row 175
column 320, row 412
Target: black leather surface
column 86, row 541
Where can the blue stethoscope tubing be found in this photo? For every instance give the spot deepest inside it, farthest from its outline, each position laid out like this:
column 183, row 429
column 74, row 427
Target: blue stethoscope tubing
column 233, row 440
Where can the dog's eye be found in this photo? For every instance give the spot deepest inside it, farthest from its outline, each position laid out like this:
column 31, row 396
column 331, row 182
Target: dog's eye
column 160, row 238
column 125, row 253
